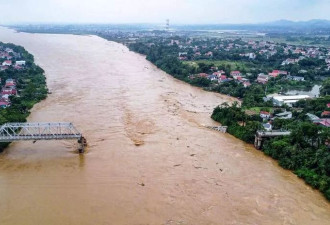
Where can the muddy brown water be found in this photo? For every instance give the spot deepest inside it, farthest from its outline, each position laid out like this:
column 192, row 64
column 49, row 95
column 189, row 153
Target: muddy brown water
column 149, row 161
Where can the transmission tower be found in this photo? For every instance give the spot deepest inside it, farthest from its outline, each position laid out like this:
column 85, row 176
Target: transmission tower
column 167, row 25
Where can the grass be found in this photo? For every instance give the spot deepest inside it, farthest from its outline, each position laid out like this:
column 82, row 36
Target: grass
column 258, row 109
column 234, row 65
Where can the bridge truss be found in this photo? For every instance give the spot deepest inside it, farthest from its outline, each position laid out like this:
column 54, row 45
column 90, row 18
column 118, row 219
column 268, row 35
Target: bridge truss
column 10, row 132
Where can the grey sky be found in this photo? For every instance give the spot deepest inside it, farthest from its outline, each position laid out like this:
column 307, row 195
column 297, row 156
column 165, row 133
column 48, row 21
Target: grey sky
column 156, row 11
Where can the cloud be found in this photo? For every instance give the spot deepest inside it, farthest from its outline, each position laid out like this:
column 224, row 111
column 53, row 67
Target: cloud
column 155, row 11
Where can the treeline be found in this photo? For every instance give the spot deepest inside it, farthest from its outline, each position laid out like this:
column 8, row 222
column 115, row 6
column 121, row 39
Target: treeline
column 31, row 87
column 165, row 58
column 306, row 151
column 239, row 124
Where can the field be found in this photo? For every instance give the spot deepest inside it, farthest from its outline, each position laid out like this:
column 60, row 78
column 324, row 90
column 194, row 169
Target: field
column 231, row 65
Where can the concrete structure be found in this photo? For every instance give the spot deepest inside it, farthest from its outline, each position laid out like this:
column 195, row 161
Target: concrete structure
column 288, row 100
column 222, row 129
column 284, row 115
column 262, row 135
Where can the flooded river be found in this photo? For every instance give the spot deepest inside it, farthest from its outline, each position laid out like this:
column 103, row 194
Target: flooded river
column 149, row 161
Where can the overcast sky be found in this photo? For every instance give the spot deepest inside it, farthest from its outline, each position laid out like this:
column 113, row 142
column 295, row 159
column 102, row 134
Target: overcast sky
column 157, row 11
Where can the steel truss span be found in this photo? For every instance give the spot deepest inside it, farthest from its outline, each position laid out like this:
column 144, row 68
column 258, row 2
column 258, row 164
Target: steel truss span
column 10, row 132
column 38, row 131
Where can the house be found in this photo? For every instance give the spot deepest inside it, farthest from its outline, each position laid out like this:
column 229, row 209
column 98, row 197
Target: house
column 4, row 103
column 264, row 114
column 276, row 73
column 325, row 114
column 218, row 73
column 20, row 63
column 212, row 77
column 7, row 63
column 210, row 54
column 284, row 115
column 235, row 73
column 222, row 78
column 9, row 50
column 9, row 92
column 302, row 71
column 273, row 74
column 246, row 84
column 3, row 68
column 262, row 78
column 289, row 61
column 249, row 55
column 312, row 117
column 323, row 122
column 239, row 78
column 10, row 83
column 295, row 78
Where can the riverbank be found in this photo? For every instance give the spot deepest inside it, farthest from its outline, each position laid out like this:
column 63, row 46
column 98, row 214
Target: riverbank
column 23, row 85
column 305, row 152
column 244, row 127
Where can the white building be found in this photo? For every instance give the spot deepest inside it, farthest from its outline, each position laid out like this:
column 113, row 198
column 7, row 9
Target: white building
column 20, row 63
column 288, row 100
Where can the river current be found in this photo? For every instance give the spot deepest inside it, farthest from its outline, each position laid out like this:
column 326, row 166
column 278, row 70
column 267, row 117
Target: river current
column 150, row 158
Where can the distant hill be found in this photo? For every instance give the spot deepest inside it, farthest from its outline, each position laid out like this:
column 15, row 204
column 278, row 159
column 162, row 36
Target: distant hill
column 319, row 27
column 308, row 24
column 281, row 26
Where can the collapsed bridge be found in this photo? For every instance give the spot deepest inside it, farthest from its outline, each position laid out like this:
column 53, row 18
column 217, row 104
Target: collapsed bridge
column 10, row 132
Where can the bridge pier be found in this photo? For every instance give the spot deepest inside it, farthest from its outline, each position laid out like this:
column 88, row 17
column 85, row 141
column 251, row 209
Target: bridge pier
column 258, row 141
column 82, row 144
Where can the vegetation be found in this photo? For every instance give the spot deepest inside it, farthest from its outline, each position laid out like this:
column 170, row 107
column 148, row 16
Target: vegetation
column 239, row 124
column 306, row 151
column 31, row 86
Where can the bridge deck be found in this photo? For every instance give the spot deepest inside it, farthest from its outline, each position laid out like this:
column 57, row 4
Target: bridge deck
column 38, row 131
column 273, row 133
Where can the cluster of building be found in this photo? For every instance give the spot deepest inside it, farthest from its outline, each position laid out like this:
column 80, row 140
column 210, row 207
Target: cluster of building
column 324, row 121
column 203, row 47
column 9, row 58
column 8, row 89
column 220, row 76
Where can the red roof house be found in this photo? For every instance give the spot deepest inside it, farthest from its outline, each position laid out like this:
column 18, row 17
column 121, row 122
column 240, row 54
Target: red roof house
column 325, row 114
column 7, row 63
column 235, row 73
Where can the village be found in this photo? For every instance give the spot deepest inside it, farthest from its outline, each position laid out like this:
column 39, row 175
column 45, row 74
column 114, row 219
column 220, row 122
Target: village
column 9, row 59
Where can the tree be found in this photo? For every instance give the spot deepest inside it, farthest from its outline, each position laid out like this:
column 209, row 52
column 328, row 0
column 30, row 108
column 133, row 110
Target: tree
column 325, row 89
